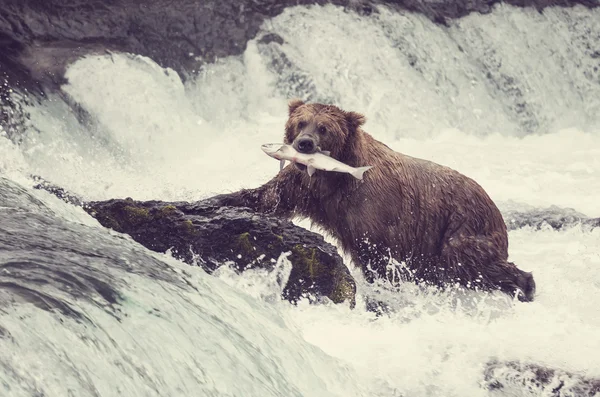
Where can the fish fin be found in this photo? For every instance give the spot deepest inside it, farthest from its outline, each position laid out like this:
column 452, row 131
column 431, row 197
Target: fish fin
column 310, row 169
column 326, row 152
column 281, row 164
column 358, row 173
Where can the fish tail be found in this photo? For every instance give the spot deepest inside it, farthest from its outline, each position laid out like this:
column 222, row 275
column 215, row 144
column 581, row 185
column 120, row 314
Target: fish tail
column 358, row 173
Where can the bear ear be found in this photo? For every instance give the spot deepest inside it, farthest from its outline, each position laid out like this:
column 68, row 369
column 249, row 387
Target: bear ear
column 355, row 120
column 294, row 104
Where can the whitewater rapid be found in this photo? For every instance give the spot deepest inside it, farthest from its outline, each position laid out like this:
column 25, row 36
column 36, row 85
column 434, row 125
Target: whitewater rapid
column 510, row 99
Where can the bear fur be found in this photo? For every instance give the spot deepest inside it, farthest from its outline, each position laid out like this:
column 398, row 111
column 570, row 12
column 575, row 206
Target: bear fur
column 440, row 224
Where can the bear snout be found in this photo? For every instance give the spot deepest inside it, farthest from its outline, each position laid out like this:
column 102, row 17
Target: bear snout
column 306, row 143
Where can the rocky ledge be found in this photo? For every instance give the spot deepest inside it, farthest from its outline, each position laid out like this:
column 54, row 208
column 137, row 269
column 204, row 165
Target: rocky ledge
column 38, row 38
column 206, row 235
column 552, row 217
column 515, row 378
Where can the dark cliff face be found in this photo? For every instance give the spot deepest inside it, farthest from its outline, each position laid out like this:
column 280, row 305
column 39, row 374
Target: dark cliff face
column 38, row 38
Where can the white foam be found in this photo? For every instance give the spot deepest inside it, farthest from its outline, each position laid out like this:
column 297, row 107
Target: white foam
column 441, row 351
column 156, row 138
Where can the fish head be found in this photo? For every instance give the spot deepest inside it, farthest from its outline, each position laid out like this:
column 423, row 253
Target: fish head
column 272, row 148
column 279, row 151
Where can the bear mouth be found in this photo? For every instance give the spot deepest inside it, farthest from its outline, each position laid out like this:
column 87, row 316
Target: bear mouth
column 301, row 167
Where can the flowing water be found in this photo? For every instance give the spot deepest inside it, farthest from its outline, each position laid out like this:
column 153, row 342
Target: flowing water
column 511, row 99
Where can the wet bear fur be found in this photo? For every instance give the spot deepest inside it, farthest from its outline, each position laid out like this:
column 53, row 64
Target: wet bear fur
column 440, row 225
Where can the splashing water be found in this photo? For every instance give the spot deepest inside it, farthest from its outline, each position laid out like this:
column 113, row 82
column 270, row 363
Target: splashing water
column 510, row 99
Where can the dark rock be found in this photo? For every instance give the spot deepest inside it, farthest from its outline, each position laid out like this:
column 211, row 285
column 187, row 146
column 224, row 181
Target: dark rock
column 537, row 380
column 204, row 234
column 555, row 217
column 208, row 235
column 38, row 38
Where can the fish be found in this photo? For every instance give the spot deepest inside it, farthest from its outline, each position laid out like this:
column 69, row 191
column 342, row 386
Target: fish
column 320, row 160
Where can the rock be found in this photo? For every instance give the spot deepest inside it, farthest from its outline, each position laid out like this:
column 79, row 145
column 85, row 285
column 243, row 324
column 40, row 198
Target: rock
column 38, row 38
column 555, row 217
column 537, row 380
column 208, row 235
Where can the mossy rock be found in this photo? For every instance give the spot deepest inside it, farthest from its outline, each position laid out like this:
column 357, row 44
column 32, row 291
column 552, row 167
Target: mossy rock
column 135, row 215
column 212, row 235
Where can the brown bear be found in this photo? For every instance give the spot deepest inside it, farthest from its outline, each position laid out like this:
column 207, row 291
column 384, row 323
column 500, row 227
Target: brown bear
column 439, row 224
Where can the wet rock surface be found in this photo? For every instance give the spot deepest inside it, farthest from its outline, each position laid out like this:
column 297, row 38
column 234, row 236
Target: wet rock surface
column 553, row 217
column 38, row 38
column 209, row 236
column 537, row 380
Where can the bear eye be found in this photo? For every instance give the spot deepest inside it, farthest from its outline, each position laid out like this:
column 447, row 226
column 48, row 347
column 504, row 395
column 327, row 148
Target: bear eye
column 322, row 130
column 301, row 125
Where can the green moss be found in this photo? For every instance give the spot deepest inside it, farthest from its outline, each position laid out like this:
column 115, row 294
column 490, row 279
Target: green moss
column 136, row 215
column 307, row 260
column 275, row 245
column 343, row 289
column 166, row 210
column 244, row 244
column 188, row 227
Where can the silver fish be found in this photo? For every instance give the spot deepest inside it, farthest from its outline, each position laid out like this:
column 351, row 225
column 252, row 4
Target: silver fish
column 320, row 160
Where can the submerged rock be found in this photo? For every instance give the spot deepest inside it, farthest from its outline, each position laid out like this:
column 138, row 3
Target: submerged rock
column 537, row 380
column 555, row 217
column 209, row 236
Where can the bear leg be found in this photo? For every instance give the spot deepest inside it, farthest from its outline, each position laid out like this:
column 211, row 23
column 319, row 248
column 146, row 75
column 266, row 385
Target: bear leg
column 482, row 261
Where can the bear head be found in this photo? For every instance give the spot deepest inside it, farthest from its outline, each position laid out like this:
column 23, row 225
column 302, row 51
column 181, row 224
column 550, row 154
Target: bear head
column 313, row 127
